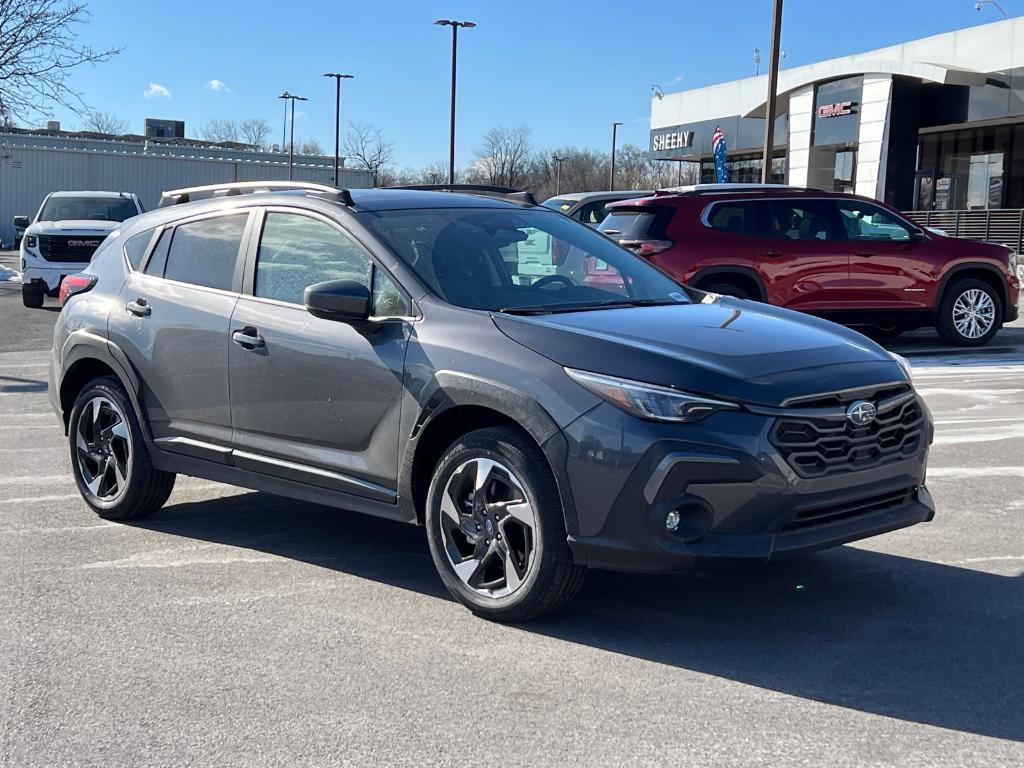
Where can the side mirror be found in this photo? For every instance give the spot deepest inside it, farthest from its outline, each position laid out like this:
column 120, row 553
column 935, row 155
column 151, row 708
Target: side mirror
column 21, row 221
column 344, row 300
column 918, row 235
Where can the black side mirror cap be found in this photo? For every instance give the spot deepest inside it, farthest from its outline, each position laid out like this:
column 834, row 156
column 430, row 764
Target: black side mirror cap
column 918, row 234
column 346, row 301
column 21, row 221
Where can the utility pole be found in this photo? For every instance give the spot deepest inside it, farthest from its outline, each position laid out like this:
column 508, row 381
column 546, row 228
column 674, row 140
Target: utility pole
column 611, row 172
column 773, row 84
column 337, row 118
column 455, row 58
column 558, row 171
column 291, row 144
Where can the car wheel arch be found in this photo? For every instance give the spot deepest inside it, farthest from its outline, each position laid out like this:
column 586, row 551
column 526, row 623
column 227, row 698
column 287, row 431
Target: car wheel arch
column 747, row 278
column 88, row 357
column 459, row 404
column 973, row 271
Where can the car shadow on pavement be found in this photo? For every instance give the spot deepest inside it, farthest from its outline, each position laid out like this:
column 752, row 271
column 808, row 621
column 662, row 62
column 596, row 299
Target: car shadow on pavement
column 18, row 384
column 937, row 644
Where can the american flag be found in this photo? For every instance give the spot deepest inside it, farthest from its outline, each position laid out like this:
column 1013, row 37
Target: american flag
column 720, row 152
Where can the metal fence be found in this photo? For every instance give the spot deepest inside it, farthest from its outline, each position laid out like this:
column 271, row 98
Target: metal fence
column 1001, row 225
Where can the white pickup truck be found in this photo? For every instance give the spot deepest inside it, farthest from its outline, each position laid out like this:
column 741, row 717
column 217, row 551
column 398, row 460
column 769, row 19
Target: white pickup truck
column 64, row 235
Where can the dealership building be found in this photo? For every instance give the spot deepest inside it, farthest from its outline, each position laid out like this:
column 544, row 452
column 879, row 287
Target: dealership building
column 933, row 125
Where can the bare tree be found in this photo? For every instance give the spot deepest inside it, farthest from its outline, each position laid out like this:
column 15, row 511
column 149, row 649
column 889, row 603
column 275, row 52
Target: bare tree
column 38, row 51
column 104, row 122
column 255, row 131
column 368, row 148
column 309, row 147
column 504, row 158
column 218, row 129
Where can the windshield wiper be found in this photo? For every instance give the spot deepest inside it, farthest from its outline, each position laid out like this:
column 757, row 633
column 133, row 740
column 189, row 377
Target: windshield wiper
column 543, row 309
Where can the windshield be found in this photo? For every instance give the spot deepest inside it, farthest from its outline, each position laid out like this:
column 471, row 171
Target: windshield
column 87, row 208
column 520, row 260
column 559, row 204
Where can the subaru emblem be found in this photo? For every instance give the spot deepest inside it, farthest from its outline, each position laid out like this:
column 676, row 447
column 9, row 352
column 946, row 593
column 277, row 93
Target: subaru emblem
column 861, row 413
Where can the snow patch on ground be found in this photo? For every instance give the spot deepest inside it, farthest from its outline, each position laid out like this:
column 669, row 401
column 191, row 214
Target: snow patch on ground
column 9, row 275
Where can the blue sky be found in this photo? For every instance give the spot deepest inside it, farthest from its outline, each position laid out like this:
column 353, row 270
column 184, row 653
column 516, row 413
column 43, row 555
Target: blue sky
column 566, row 69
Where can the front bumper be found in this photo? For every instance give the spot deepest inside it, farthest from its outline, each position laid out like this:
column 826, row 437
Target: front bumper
column 50, row 276
column 736, row 495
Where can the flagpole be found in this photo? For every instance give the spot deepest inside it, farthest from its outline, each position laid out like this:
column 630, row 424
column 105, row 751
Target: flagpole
column 773, row 84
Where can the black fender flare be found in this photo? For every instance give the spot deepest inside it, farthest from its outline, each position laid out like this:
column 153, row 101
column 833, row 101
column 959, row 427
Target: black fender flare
column 450, row 389
column 83, row 346
column 731, row 269
column 971, row 266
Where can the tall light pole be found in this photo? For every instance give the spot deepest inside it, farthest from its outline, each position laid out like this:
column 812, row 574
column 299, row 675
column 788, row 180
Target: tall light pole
column 611, row 172
column 998, row 7
column 558, row 171
column 773, row 84
column 337, row 118
column 291, row 143
column 284, row 121
column 455, row 55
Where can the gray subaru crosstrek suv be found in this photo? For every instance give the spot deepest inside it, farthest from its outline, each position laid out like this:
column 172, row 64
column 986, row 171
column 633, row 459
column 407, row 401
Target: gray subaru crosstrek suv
column 379, row 351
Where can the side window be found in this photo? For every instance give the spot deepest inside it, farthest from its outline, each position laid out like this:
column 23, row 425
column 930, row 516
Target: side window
column 158, row 260
column 298, row 251
column 863, row 221
column 731, row 217
column 796, row 220
column 593, row 213
column 388, row 299
column 135, row 247
column 205, row 252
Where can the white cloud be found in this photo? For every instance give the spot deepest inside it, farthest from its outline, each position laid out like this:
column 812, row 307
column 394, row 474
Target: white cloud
column 218, row 85
column 676, row 80
column 156, row 91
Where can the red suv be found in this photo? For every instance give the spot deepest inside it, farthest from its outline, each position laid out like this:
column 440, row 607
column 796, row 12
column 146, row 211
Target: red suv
column 843, row 257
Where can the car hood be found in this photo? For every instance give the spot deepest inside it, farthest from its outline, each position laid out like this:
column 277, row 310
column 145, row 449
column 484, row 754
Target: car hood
column 73, row 227
column 727, row 348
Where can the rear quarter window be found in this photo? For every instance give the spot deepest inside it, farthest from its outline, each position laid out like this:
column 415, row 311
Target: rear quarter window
column 633, row 223
column 135, row 247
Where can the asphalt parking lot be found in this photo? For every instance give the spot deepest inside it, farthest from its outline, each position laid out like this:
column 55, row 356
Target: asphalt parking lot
column 238, row 628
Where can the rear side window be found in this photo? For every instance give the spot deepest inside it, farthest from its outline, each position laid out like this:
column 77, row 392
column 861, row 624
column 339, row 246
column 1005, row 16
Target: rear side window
column 593, row 213
column 734, row 217
column 135, row 247
column 205, row 252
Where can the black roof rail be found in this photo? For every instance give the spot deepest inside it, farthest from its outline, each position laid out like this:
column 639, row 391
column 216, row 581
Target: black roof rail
column 487, row 190
column 232, row 188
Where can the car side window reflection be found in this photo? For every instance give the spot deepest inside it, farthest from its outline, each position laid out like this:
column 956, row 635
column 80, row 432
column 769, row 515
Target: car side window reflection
column 796, row 220
column 863, row 221
column 298, row 251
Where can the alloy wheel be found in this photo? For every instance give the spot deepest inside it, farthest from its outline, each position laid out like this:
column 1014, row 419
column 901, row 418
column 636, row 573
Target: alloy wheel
column 103, row 448
column 488, row 527
column 974, row 313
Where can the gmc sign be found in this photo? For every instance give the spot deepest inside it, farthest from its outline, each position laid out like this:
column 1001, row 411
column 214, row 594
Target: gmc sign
column 838, row 109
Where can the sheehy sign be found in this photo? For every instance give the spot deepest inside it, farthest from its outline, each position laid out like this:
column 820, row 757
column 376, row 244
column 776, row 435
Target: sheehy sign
column 672, row 140
column 838, row 109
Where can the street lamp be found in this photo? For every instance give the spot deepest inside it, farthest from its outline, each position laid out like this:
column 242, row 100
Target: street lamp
column 455, row 48
column 558, row 171
column 977, row 7
column 337, row 118
column 291, row 144
column 773, row 82
column 611, row 173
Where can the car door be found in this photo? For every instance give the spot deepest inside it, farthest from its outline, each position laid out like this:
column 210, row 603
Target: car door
column 801, row 254
column 171, row 320
column 890, row 265
column 315, row 400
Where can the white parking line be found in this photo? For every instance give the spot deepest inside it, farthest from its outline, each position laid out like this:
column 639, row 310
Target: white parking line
column 957, row 473
column 34, row 479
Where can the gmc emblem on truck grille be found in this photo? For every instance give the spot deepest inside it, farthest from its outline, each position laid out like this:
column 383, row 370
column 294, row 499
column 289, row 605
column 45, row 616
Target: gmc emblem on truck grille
column 83, row 243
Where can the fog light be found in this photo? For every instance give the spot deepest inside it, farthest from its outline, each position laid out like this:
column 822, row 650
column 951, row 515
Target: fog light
column 672, row 520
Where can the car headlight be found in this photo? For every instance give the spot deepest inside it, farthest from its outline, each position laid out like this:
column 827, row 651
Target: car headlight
column 1014, row 261
column 30, row 241
column 648, row 401
column 905, row 365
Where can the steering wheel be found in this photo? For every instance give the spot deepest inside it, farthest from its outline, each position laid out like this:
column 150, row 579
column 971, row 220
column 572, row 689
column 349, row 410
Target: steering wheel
column 552, row 279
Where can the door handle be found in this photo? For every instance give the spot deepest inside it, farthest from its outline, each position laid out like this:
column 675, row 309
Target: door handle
column 248, row 338
column 140, row 308
column 771, row 253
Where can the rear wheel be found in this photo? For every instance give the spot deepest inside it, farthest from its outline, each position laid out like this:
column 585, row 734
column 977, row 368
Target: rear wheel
column 109, row 458
column 970, row 313
column 31, row 295
column 496, row 529
column 727, row 289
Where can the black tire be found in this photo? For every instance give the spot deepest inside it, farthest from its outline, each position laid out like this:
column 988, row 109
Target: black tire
column 552, row 579
column 145, row 489
column 946, row 324
column 31, row 295
column 727, row 289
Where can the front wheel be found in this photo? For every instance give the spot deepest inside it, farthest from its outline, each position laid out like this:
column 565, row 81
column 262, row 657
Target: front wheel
column 970, row 313
column 496, row 529
column 109, row 458
column 31, row 295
